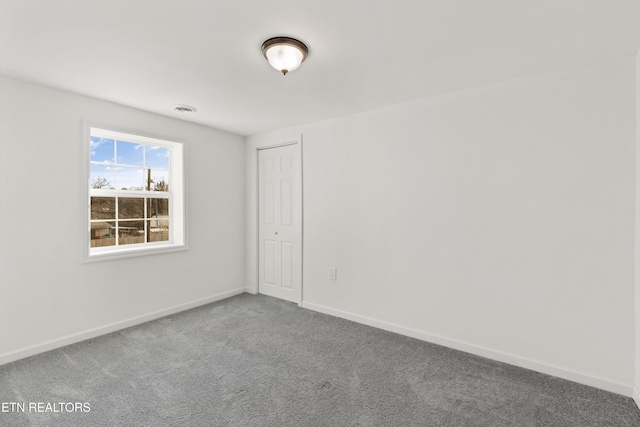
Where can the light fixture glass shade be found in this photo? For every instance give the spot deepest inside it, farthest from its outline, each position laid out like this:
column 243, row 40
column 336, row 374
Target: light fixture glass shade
column 284, row 54
column 283, row 57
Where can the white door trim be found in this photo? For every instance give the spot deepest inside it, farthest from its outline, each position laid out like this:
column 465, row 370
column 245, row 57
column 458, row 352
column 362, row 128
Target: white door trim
column 292, row 140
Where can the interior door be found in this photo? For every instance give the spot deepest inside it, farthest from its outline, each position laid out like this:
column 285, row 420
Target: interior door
column 280, row 223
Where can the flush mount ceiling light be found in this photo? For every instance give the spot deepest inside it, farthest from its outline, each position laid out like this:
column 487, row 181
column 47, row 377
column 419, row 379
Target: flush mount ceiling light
column 284, row 53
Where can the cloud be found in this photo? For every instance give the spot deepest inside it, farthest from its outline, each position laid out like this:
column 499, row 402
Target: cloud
column 96, row 143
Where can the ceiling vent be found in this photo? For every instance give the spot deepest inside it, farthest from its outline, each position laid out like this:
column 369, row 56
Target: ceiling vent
column 185, row 108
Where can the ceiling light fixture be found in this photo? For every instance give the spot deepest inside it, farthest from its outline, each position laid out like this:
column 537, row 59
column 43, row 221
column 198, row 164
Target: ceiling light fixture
column 284, row 53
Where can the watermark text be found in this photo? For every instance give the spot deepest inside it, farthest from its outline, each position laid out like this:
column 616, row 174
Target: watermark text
column 33, row 407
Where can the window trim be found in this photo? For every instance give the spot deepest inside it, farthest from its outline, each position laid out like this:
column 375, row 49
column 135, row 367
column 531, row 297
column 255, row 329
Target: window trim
column 178, row 199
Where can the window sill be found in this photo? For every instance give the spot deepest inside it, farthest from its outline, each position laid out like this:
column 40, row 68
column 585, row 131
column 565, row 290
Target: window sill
column 108, row 254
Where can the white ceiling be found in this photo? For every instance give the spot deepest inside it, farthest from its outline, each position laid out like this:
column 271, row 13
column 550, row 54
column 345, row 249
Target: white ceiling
column 153, row 54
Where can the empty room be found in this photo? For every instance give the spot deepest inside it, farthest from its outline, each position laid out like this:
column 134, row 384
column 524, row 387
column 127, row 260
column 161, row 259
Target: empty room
column 319, row 213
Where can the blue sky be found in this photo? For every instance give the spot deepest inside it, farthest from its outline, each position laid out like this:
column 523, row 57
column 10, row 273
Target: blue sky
column 132, row 160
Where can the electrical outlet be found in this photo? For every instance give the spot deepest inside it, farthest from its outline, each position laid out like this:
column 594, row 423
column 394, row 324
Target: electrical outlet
column 333, row 273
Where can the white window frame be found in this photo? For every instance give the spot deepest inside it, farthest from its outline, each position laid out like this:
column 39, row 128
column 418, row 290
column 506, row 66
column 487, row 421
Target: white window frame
column 177, row 196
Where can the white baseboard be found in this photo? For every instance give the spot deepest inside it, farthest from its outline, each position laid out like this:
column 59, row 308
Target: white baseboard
column 636, row 396
column 116, row 326
column 556, row 371
column 251, row 291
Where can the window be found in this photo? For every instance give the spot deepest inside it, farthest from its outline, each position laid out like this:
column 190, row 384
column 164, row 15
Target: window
column 136, row 200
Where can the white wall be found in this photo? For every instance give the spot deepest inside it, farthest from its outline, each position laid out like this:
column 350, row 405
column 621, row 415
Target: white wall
column 48, row 297
column 497, row 220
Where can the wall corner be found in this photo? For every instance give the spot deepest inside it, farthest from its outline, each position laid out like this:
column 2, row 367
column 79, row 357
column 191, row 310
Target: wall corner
column 636, row 395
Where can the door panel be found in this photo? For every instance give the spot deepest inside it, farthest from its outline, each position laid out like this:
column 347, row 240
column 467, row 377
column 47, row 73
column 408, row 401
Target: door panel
column 280, row 223
column 286, row 200
column 269, row 262
column 269, row 202
column 287, row 265
column 286, row 162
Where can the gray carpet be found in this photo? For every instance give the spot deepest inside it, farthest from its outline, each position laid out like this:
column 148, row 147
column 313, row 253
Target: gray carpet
column 258, row 361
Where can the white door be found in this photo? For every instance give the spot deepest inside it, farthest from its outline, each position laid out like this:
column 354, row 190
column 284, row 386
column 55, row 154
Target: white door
column 280, row 223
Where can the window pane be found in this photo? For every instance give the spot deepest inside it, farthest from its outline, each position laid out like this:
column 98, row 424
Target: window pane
column 156, row 157
column 159, row 180
column 157, row 208
column 102, row 150
column 103, row 208
column 130, row 208
column 158, row 225
column 130, row 232
column 129, row 153
column 130, row 178
column 103, row 234
column 158, row 229
column 101, row 176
